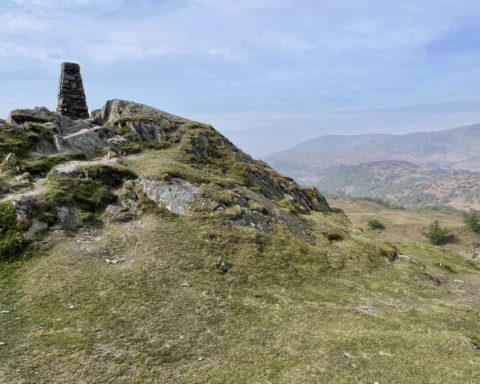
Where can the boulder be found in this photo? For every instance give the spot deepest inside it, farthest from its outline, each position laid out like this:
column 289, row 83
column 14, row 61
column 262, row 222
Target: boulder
column 116, row 144
column 35, row 115
column 86, row 141
column 67, row 218
column 68, row 126
column 36, row 227
column 117, row 213
column 176, row 194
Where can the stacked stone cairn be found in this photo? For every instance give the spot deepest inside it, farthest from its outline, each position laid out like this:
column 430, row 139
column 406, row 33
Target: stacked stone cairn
column 71, row 95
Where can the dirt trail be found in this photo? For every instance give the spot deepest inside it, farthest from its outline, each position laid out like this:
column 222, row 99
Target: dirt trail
column 37, row 188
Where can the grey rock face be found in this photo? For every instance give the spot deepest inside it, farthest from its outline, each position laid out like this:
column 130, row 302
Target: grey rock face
column 36, row 227
column 116, row 144
column 176, row 194
column 269, row 215
column 115, row 110
column 35, row 115
column 71, row 95
column 146, row 131
column 68, row 126
column 72, row 168
column 117, row 213
column 309, row 199
column 67, row 218
column 4, row 189
column 86, row 141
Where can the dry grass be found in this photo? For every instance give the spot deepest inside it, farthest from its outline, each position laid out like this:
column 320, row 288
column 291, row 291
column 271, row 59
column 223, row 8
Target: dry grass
column 339, row 311
column 287, row 312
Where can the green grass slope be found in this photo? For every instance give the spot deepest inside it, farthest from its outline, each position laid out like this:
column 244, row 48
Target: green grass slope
column 143, row 300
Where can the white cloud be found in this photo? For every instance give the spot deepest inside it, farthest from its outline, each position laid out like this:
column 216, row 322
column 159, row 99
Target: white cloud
column 253, row 53
column 235, row 6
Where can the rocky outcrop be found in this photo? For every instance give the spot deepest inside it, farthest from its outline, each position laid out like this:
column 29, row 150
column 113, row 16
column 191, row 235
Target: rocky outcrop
column 39, row 115
column 73, row 168
column 176, row 194
column 67, row 218
column 116, row 144
column 274, row 185
column 4, row 189
column 116, row 110
column 266, row 213
column 258, row 196
column 146, row 131
column 71, row 96
column 86, row 141
column 36, row 227
column 115, row 213
column 67, row 126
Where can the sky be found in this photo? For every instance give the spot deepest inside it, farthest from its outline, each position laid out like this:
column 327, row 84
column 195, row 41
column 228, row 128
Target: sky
column 266, row 73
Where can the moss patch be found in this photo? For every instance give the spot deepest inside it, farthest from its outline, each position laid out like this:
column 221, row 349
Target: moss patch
column 43, row 164
column 140, row 146
column 11, row 240
column 89, row 196
column 16, row 140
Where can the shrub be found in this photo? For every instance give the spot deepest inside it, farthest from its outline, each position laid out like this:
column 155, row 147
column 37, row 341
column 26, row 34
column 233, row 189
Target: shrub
column 334, row 234
column 436, row 234
column 472, row 221
column 375, row 224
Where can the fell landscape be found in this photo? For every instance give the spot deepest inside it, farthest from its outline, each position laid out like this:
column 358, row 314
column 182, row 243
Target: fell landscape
column 141, row 245
column 414, row 170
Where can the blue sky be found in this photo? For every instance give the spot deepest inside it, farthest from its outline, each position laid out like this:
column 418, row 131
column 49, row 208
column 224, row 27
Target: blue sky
column 267, row 73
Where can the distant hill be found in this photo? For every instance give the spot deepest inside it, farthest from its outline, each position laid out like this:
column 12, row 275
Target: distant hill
column 405, row 184
column 455, row 148
column 414, row 170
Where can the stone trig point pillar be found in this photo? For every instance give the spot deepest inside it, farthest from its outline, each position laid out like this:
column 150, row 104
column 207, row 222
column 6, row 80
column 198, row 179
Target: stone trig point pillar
column 71, row 96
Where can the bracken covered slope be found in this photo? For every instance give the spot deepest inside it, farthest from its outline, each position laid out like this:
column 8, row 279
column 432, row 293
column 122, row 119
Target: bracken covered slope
column 141, row 247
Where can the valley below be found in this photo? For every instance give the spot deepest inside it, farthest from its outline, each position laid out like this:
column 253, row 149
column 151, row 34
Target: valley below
column 417, row 170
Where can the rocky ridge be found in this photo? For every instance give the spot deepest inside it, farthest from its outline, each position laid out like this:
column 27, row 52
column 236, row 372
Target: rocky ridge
column 58, row 172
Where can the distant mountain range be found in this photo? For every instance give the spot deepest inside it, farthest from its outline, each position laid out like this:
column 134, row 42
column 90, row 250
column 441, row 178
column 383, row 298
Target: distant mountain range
column 416, row 169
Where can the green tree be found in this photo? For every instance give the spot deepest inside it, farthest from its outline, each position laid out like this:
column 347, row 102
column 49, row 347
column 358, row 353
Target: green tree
column 472, row 221
column 436, row 234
